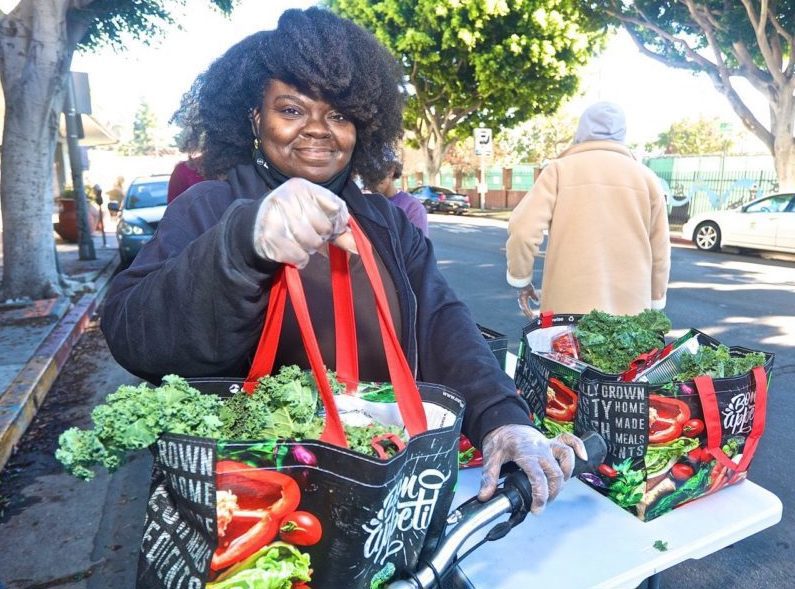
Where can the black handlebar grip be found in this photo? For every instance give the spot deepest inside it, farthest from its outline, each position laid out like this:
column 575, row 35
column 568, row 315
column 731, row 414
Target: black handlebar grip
column 596, row 448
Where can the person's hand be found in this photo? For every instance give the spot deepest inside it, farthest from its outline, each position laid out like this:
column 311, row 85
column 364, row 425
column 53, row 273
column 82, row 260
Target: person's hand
column 296, row 219
column 527, row 294
column 547, row 463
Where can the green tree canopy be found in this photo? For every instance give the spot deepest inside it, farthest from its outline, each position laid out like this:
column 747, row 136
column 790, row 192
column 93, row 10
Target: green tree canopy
column 539, row 139
column 702, row 136
column 471, row 63
column 144, row 123
column 750, row 39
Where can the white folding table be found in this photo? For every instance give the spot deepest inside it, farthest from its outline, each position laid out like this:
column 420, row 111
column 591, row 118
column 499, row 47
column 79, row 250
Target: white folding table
column 583, row 540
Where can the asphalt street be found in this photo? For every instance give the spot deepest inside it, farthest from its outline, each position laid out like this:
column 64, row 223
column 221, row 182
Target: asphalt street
column 742, row 300
column 56, row 531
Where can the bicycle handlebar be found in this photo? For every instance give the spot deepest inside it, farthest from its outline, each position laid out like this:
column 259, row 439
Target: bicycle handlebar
column 513, row 497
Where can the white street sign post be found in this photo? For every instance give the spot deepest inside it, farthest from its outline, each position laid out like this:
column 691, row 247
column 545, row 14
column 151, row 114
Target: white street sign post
column 483, row 148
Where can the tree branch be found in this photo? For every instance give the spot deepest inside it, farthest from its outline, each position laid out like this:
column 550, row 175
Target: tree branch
column 759, row 23
column 642, row 21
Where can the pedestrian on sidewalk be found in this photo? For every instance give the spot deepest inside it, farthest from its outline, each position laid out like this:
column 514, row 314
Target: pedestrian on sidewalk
column 284, row 120
column 608, row 245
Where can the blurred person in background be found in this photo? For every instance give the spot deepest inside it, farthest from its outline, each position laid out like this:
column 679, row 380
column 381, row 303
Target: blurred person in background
column 608, row 244
column 185, row 174
column 385, row 185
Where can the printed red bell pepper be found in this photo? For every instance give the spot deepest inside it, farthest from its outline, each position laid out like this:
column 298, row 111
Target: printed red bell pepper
column 561, row 401
column 468, row 455
column 263, row 498
column 667, row 417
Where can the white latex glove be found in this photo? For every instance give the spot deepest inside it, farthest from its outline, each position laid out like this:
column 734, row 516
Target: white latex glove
column 297, row 219
column 547, row 463
column 527, row 294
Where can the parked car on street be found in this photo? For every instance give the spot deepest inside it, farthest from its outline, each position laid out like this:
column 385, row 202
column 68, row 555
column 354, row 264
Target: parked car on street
column 141, row 211
column 764, row 224
column 436, row 199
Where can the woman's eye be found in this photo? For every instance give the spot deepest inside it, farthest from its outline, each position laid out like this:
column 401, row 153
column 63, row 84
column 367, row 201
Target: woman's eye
column 291, row 111
column 339, row 117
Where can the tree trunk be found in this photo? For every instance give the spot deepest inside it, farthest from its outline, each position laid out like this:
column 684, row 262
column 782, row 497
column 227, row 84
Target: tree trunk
column 36, row 57
column 433, row 155
column 784, row 141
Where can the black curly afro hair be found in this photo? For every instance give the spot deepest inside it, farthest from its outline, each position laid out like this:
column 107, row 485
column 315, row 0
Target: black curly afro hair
column 321, row 54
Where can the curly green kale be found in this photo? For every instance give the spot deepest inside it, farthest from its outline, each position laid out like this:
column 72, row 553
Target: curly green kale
column 610, row 342
column 283, row 405
column 132, row 418
column 717, row 363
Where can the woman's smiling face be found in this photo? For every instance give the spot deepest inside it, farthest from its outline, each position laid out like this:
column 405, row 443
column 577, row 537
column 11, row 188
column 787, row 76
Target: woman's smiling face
column 304, row 137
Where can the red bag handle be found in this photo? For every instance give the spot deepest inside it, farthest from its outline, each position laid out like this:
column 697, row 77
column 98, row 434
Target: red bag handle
column 344, row 320
column 709, row 403
column 288, row 281
column 407, row 394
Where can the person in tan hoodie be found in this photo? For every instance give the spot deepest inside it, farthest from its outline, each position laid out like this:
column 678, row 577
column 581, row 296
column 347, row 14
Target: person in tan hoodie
column 608, row 243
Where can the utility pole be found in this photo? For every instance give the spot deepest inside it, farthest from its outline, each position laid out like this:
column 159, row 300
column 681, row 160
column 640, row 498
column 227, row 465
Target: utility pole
column 74, row 130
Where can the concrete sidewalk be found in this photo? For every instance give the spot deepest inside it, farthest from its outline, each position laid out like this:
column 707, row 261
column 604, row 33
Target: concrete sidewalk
column 37, row 338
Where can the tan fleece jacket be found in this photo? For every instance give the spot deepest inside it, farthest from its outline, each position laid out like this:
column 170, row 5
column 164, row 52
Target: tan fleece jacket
column 608, row 246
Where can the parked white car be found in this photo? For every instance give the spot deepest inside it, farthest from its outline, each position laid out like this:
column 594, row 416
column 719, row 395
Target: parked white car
column 764, row 224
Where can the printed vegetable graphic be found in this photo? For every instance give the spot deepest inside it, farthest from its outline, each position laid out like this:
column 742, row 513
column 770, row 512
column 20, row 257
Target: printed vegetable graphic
column 626, row 489
column 608, row 471
column 249, row 514
column 301, row 528
column 468, row 455
column 682, row 472
column 652, row 494
column 276, row 565
column 693, row 427
column 561, row 401
column 667, row 417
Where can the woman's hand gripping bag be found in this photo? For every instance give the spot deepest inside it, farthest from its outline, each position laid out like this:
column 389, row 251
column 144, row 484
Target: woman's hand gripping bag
column 279, row 512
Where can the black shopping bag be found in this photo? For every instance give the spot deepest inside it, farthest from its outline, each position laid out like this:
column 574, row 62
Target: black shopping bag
column 310, row 513
column 548, row 370
column 672, row 442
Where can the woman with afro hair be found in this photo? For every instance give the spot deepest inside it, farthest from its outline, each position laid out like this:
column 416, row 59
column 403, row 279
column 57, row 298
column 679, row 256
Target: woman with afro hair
column 283, row 121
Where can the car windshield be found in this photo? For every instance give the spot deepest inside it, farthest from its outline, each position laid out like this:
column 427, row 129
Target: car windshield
column 147, row 194
column 774, row 204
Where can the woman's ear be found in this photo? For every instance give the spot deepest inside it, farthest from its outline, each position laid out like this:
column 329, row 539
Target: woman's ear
column 253, row 117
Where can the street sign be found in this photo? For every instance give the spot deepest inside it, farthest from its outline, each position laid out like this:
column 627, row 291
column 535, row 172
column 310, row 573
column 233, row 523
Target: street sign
column 483, row 144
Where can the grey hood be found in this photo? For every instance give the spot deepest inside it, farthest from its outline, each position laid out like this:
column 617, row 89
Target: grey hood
column 601, row 121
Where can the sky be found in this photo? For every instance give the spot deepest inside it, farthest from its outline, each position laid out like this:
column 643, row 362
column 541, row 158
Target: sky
column 652, row 95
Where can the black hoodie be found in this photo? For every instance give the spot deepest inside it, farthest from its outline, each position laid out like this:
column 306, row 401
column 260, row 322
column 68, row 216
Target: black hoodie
column 193, row 301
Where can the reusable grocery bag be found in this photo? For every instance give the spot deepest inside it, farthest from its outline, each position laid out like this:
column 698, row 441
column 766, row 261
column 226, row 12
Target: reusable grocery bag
column 310, row 513
column 672, row 442
column 548, row 370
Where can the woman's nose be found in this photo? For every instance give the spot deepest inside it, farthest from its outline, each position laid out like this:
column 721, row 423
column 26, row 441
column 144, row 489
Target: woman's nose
column 316, row 126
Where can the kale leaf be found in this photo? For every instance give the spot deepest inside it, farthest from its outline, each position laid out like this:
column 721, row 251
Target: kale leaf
column 610, row 342
column 718, row 363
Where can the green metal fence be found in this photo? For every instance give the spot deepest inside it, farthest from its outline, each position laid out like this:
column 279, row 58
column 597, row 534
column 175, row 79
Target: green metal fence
column 698, row 192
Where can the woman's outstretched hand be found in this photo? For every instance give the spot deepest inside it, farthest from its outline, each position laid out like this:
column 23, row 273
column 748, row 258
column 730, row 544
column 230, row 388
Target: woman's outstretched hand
column 297, row 219
column 547, row 463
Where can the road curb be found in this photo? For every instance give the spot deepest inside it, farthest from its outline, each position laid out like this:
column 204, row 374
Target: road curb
column 23, row 397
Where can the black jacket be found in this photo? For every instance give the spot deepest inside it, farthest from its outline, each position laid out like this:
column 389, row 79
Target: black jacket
column 193, row 301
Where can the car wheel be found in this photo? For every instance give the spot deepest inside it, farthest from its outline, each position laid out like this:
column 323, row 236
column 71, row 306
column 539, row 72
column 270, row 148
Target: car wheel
column 707, row 237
